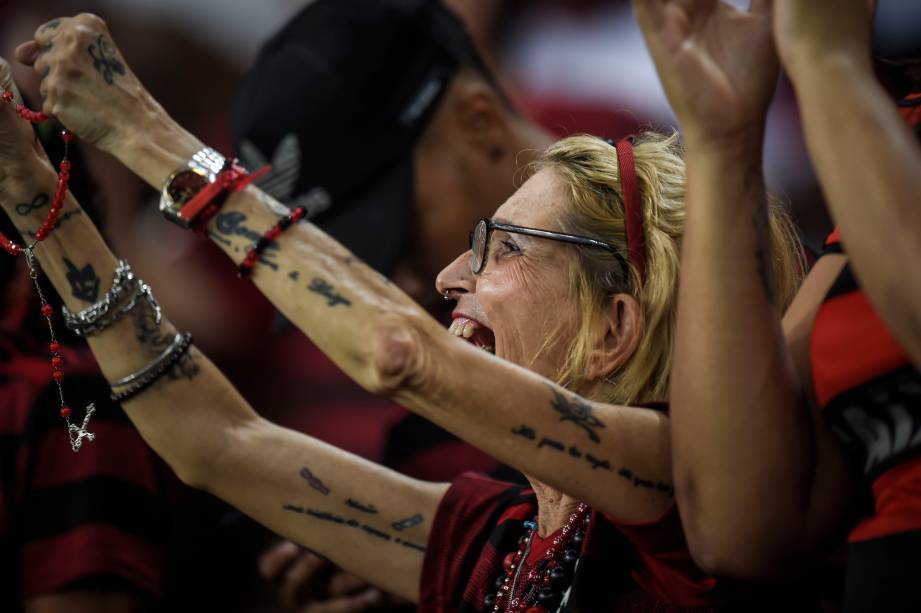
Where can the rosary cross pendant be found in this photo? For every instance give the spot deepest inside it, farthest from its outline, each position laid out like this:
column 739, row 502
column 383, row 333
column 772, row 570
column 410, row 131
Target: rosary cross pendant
column 77, row 434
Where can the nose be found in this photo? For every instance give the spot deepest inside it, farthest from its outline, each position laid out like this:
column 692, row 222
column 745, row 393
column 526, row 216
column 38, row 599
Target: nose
column 456, row 278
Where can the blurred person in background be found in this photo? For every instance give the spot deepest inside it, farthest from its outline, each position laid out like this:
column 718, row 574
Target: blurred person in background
column 436, row 149
column 84, row 532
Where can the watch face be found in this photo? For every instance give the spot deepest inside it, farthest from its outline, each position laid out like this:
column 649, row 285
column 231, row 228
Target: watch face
column 185, row 184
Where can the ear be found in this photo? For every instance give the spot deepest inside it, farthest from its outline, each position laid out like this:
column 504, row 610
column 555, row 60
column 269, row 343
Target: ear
column 482, row 119
column 617, row 336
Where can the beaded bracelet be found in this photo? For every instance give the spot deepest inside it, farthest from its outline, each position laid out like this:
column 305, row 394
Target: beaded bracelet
column 246, row 266
column 154, row 371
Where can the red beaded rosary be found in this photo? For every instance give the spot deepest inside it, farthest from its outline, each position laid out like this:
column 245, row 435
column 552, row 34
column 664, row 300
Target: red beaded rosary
column 76, row 434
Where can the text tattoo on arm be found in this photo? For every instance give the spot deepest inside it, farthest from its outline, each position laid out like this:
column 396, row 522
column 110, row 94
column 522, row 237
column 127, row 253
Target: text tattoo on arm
column 597, row 463
column 350, row 522
column 323, row 288
column 314, row 481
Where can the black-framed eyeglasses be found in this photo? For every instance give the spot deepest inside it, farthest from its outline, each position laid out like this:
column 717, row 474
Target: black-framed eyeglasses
column 479, row 242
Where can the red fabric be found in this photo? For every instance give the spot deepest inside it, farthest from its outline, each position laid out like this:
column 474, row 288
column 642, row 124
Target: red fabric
column 849, row 345
column 463, row 559
column 897, row 503
column 51, row 564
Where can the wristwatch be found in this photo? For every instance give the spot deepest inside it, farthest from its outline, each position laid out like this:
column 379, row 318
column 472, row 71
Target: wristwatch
column 188, row 180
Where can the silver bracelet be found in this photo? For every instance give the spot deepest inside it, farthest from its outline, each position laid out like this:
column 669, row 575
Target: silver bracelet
column 178, row 340
column 121, row 299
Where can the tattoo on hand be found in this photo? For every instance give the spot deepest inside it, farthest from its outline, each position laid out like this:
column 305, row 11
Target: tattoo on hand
column 763, row 250
column 527, row 432
column 105, row 60
column 352, row 523
column 314, row 481
column 577, row 411
column 364, row 508
column 84, row 282
column 406, row 524
column 319, row 286
column 27, row 207
column 51, row 25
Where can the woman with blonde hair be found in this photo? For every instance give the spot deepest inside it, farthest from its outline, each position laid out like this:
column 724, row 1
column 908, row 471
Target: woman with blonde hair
column 573, row 280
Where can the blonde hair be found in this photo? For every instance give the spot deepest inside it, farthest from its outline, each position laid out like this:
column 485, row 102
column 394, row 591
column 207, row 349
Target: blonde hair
column 588, row 166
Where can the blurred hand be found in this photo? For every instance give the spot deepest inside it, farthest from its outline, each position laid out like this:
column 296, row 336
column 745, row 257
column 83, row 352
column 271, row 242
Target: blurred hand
column 308, row 583
column 86, row 83
column 718, row 64
column 18, row 145
column 806, row 31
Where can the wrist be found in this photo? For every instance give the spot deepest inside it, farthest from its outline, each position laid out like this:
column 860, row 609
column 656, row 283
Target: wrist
column 808, row 66
column 21, row 179
column 743, row 147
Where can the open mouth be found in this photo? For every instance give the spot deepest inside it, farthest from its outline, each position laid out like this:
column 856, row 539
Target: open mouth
column 474, row 332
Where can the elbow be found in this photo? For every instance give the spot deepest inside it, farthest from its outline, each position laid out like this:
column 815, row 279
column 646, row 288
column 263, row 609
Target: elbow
column 395, row 363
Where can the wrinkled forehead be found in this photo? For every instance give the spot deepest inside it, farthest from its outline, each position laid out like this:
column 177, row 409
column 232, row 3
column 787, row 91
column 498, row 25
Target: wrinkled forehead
column 538, row 203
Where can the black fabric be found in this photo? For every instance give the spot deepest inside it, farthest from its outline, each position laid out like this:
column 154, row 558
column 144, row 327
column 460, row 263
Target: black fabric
column 883, row 574
column 356, row 82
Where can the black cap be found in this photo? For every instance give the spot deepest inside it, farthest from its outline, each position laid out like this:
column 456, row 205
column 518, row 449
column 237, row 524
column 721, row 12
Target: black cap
column 336, row 102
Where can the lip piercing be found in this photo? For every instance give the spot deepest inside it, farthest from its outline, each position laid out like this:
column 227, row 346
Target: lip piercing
column 446, row 295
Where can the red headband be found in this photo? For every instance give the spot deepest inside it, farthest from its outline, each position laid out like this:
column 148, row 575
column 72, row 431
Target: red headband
column 633, row 213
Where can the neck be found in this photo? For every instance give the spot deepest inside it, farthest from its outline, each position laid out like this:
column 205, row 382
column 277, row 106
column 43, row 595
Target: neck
column 553, row 508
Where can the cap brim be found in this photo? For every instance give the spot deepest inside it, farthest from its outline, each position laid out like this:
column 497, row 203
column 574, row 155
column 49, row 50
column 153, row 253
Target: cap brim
column 375, row 223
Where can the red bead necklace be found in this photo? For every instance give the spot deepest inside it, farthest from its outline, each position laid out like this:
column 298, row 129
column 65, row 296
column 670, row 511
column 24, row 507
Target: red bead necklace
column 541, row 589
column 75, row 433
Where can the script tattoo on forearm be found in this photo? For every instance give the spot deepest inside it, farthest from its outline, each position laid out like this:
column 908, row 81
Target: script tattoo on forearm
column 51, row 25
column 314, row 481
column 364, row 508
column 233, row 223
column 406, row 524
column 38, row 202
column 352, row 523
column 105, row 60
column 84, row 282
column 763, row 249
column 527, row 432
column 322, row 287
column 577, row 411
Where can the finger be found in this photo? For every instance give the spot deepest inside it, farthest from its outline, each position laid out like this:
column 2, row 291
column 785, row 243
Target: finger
column 761, row 7
column 6, row 80
column 369, row 599
column 28, row 52
column 649, row 13
column 275, row 559
column 344, row 584
column 300, row 579
column 47, row 31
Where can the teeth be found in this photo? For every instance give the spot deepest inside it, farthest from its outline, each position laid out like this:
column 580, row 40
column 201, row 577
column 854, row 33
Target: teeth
column 452, row 326
column 468, row 330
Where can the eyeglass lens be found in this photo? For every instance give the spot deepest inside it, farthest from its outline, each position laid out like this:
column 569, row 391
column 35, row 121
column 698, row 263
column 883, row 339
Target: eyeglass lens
column 478, row 246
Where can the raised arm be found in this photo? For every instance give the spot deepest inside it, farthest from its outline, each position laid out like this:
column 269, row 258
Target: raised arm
column 746, row 450
column 867, row 160
column 370, row 520
column 614, row 458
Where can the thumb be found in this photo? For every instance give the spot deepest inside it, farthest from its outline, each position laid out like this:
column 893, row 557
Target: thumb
column 27, row 53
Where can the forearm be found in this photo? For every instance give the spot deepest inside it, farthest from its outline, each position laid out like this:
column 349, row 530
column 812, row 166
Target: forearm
column 869, row 165
column 735, row 401
column 391, row 346
column 337, row 504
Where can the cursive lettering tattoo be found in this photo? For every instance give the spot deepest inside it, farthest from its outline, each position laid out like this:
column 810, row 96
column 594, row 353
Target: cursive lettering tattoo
column 84, row 282
column 364, row 508
column 65, row 217
column 319, row 286
column 352, row 523
column 37, row 203
column 577, row 411
column 597, row 463
column 314, row 481
column 294, row 275
column 105, row 60
column 406, row 524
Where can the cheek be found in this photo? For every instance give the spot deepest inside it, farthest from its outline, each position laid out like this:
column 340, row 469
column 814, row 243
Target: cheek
column 524, row 310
